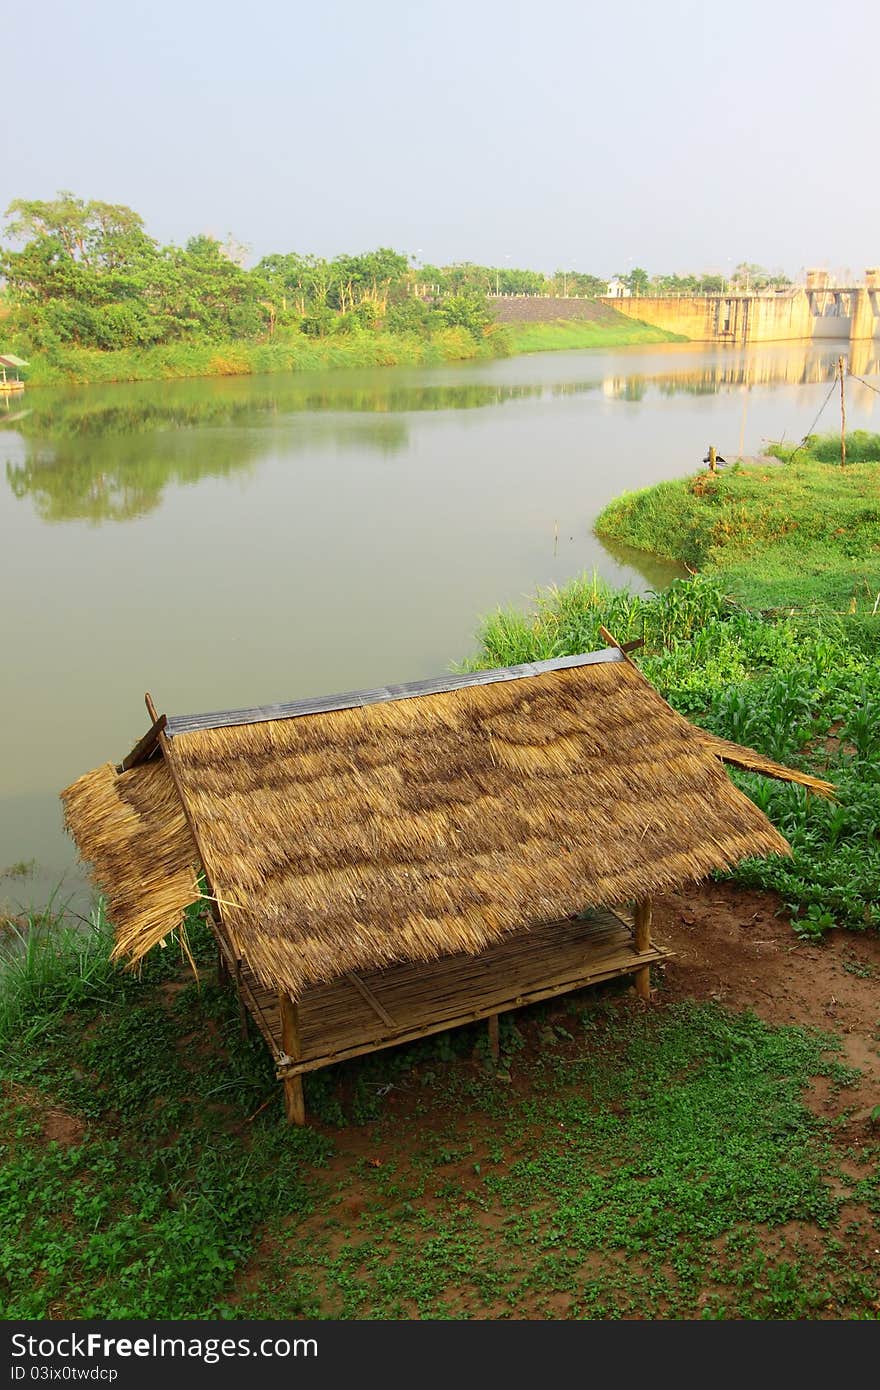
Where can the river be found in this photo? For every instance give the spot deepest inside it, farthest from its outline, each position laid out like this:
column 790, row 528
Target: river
column 241, row 541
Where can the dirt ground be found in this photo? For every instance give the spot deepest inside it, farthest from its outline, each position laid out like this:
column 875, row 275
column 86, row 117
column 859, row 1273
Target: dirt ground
column 731, row 946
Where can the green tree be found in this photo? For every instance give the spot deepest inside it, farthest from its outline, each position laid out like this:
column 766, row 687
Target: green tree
column 468, row 310
column 637, row 281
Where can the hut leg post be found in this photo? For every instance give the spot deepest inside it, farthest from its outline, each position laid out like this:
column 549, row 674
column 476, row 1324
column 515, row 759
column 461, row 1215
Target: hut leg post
column 242, row 1010
column 642, row 943
column 494, row 1043
column 222, row 968
column 294, row 1100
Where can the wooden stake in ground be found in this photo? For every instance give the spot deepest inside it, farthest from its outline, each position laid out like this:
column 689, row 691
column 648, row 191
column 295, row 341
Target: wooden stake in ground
column 842, row 373
column 712, row 458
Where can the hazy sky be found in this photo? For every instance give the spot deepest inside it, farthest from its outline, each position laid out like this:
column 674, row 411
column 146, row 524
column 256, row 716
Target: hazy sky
column 557, row 134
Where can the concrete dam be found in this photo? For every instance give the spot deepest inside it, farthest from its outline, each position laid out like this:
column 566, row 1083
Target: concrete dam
column 816, row 310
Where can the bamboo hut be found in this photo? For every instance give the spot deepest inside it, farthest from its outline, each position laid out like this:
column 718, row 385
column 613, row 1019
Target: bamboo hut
column 10, row 363
column 386, row 864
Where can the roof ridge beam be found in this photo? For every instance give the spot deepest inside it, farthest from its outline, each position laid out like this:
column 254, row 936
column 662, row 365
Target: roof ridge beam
column 355, row 699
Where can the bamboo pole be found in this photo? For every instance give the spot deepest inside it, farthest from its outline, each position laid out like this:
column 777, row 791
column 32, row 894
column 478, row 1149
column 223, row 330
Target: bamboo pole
column 294, row 1100
column 842, row 374
column 643, row 914
column 242, row 1007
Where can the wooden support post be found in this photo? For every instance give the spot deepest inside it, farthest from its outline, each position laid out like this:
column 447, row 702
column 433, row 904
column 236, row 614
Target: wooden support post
column 642, row 943
column 242, row 1007
column 494, row 1043
column 841, row 372
column 222, row 967
column 294, row 1100
column 712, row 457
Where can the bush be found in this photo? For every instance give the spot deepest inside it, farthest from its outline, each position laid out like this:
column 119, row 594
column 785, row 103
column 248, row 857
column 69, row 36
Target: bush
column 409, row 316
column 468, row 311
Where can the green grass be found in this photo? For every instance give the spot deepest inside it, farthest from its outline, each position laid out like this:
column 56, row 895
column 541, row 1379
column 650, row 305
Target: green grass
column 631, row 1176
column 562, row 335
column 150, row 1199
column 792, row 667
column 793, row 535
column 48, row 964
column 620, row 1162
column 293, row 353
column 861, row 447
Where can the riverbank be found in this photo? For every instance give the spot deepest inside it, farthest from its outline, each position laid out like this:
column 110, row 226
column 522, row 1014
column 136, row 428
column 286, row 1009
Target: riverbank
column 568, row 335
column 798, row 534
column 69, row 366
column 146, row 1175
column 296, row 353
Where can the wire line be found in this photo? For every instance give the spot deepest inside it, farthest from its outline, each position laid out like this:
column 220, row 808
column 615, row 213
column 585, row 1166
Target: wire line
column 816, row 421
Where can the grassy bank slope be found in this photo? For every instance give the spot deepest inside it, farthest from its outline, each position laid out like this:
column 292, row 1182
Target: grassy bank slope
column 560, row 335
column 81, row 366
column 298, row 353
column 796, row 534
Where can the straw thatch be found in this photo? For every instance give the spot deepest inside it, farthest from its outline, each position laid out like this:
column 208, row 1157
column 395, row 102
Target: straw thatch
column 738, row 756
column 131, row 827
column 412, row 829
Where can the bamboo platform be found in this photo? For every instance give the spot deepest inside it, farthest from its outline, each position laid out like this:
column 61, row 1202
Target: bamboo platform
column 384, row 1008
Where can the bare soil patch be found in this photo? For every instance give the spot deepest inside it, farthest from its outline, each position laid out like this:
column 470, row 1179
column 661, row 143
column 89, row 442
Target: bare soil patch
column 734, row 946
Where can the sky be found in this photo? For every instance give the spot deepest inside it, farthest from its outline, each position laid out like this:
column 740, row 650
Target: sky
column 563, row 134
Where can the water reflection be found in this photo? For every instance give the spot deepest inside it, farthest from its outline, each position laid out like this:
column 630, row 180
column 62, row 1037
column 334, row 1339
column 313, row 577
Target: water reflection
column 122, row 476
column 108, row 453
column 797, row 365
column 656, row 573
column 132, row 408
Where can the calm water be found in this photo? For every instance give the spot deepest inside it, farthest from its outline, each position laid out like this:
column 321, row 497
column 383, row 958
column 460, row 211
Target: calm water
column 235, row 542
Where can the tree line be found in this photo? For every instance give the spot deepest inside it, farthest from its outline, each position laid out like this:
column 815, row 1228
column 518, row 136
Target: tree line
column 745, row 278
column 86, row 273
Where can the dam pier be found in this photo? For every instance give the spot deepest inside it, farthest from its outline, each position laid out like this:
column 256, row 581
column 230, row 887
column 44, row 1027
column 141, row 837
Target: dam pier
column 816, row 310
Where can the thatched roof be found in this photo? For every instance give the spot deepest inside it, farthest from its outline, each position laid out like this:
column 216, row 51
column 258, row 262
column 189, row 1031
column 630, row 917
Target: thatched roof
column 132, row 828
column 750, row 761
column 404, row 826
